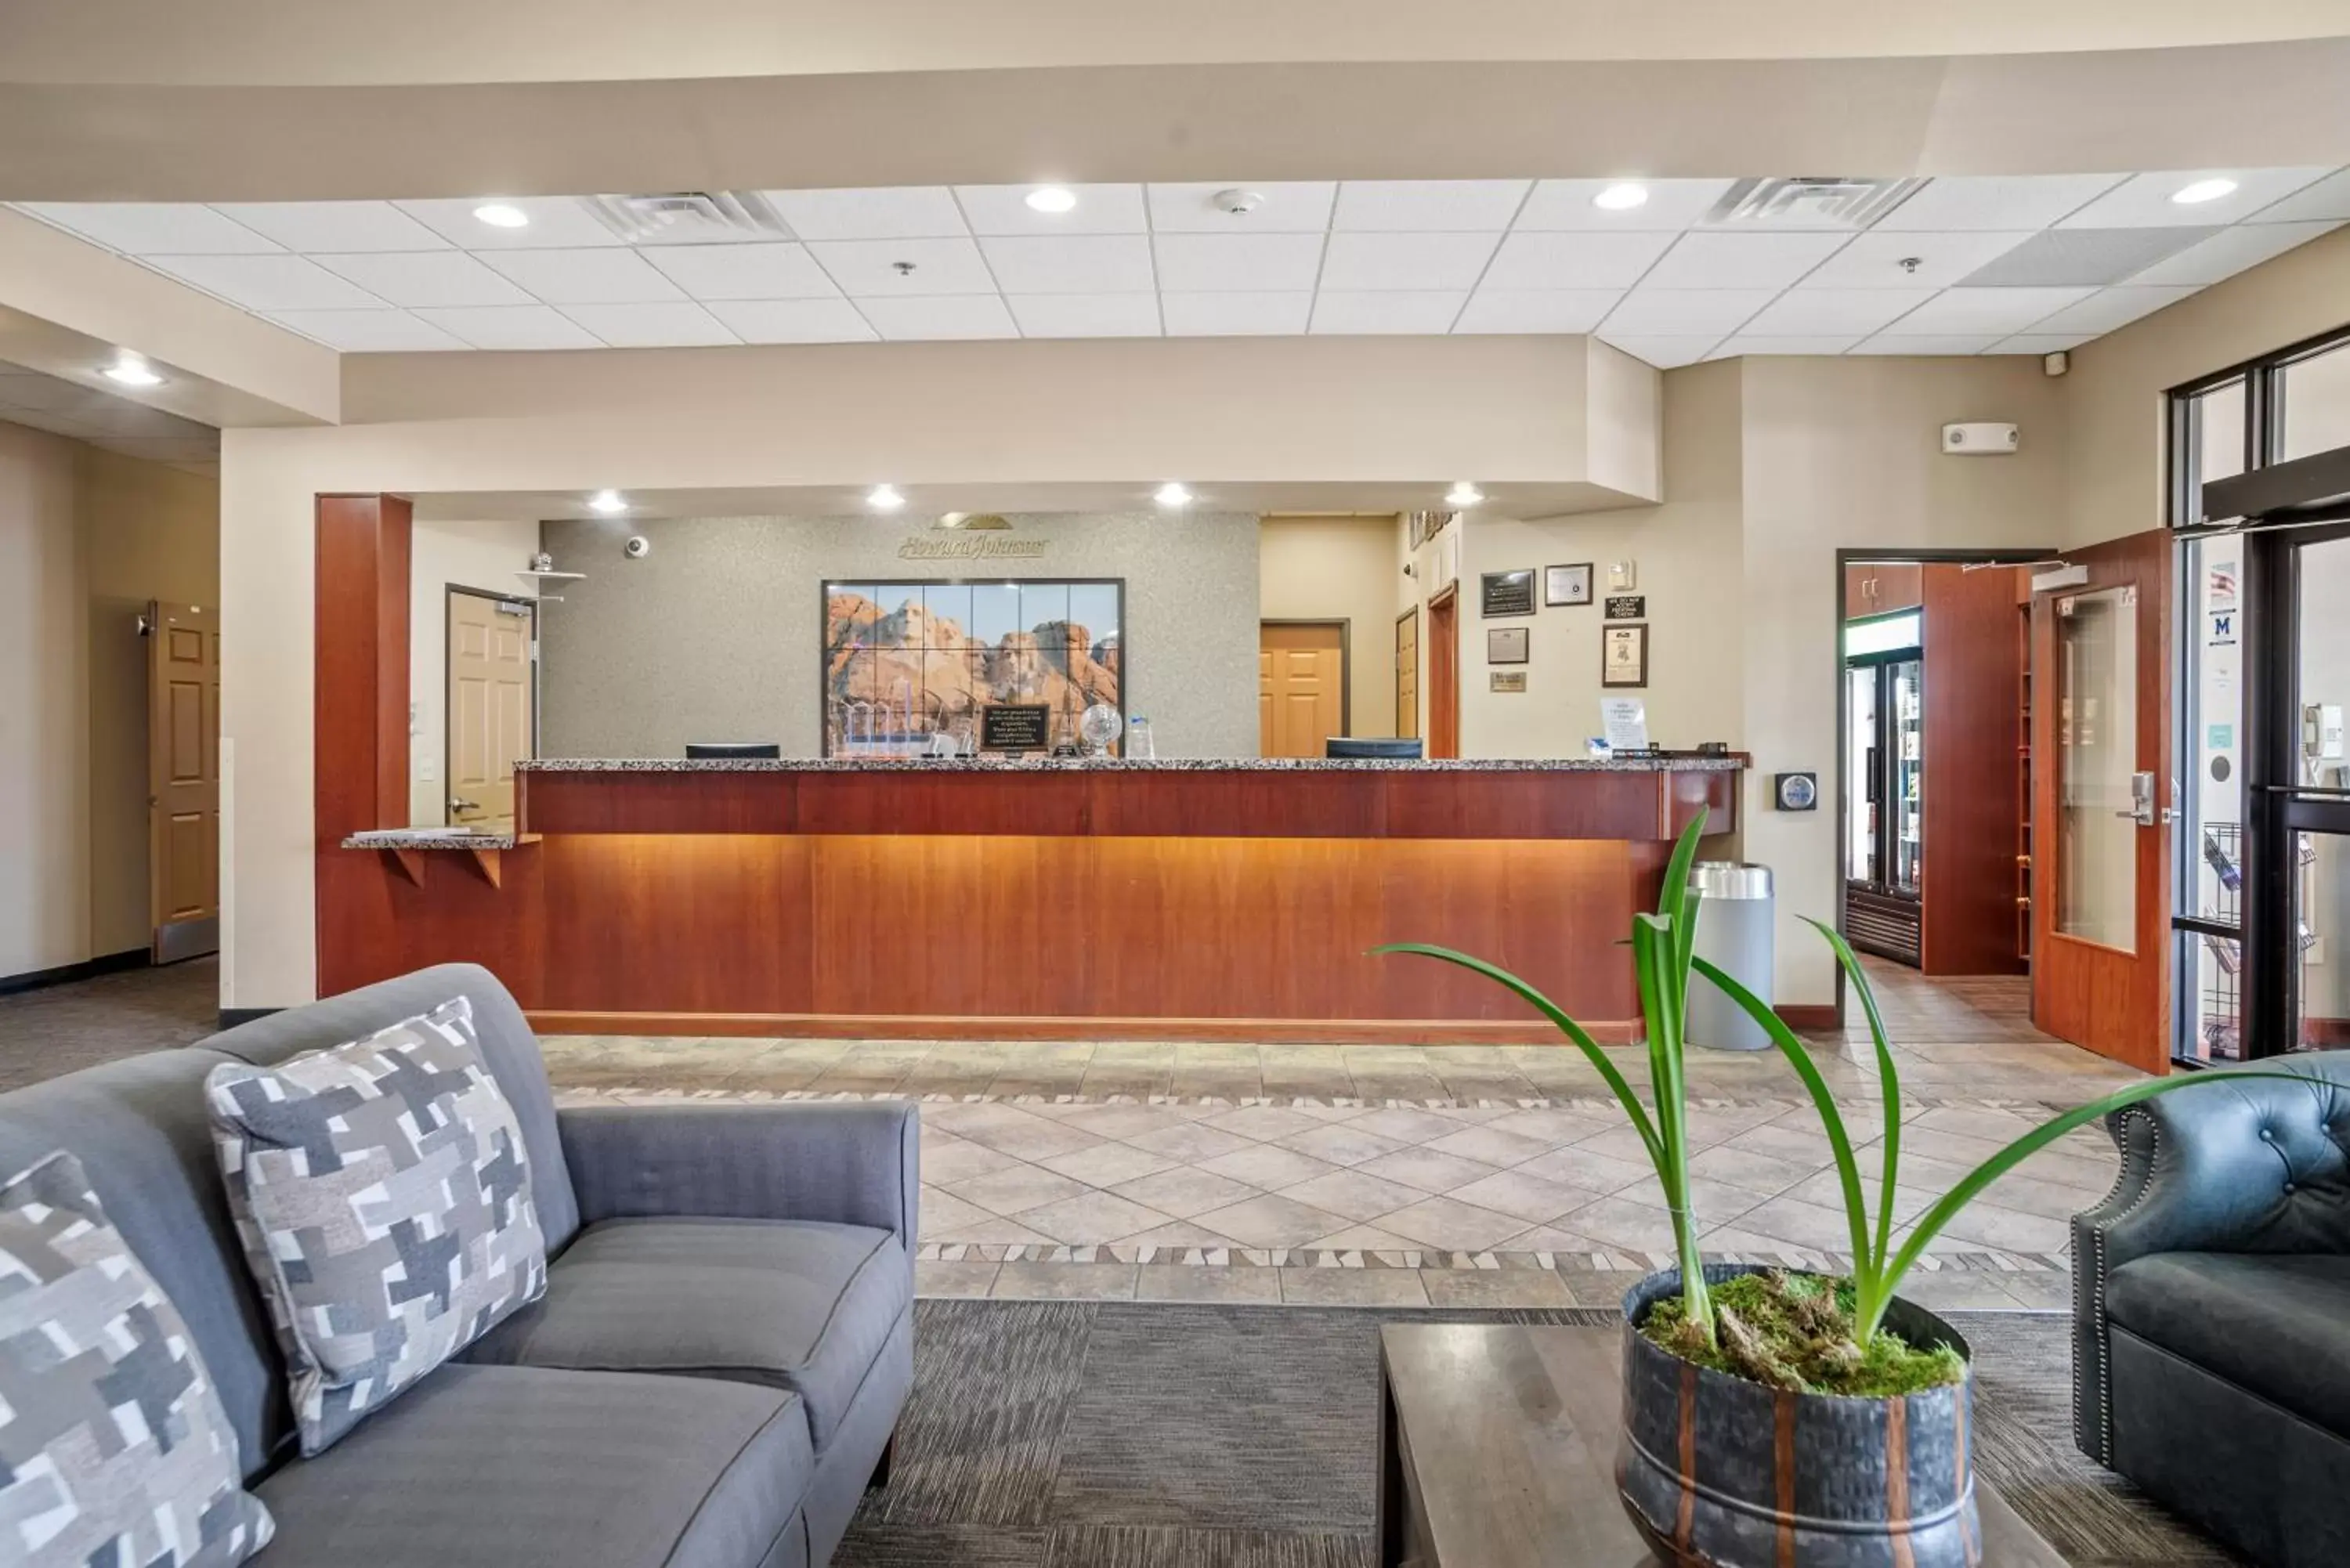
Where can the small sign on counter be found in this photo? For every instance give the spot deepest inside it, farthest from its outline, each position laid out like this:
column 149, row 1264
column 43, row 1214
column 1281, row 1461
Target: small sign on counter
column 1626, row 721
column 1016, row 727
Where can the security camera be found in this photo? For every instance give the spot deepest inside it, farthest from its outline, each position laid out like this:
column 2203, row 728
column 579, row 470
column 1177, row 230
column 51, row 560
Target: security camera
column 638, row 547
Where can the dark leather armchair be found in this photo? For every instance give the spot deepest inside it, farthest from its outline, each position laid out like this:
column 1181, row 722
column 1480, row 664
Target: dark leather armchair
column 2212, row 1311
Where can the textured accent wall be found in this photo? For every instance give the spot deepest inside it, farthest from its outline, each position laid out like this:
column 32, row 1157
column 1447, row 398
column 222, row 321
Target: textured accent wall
column 716, row 635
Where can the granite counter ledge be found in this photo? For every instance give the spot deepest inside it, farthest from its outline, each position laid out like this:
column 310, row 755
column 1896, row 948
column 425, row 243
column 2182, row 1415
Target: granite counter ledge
column 1121, row 765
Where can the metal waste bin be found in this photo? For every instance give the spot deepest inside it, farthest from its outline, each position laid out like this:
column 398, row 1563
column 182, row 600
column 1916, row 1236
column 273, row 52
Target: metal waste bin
column 1735, row 932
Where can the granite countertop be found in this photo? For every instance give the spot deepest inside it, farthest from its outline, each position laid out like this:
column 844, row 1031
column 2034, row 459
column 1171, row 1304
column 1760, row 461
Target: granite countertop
column 428, row 838
column 1120, row 765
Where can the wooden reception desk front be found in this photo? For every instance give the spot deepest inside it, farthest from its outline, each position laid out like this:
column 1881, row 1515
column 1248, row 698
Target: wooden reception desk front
column 1034, row 900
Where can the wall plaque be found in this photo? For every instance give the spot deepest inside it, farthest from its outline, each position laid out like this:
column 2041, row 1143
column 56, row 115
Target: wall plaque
column 1568, row 585
column 1505, row 645
column 1509, row 680
column 1627, row 607
column 1624, row 656
column 1508, row 592
column 1016, row 727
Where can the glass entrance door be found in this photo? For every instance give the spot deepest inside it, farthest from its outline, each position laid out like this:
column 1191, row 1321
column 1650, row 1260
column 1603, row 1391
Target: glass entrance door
column 2317, row 866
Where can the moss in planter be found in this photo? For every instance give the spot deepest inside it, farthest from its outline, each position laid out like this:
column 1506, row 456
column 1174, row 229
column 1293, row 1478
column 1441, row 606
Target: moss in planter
column 1794, row 1331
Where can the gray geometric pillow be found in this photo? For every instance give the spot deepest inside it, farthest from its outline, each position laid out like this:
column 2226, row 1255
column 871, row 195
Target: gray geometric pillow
column 383, row 1196
column 114, row 1449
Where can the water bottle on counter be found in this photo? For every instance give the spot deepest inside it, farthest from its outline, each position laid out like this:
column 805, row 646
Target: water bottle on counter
column 1140, row 746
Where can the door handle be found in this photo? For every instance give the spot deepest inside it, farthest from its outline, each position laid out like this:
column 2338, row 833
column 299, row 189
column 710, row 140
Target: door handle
column 455, row 804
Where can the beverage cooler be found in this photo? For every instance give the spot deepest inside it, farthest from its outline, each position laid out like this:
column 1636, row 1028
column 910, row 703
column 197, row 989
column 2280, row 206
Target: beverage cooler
column 1884, row 737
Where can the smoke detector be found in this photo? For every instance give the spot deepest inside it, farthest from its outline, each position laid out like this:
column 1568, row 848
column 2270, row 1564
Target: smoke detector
column 691, row 217
column 1811, row 202
column 1237, row 202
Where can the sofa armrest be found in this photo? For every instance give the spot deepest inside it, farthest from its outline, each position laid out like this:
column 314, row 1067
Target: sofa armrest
column 2235, row 1164
column 847, row 1163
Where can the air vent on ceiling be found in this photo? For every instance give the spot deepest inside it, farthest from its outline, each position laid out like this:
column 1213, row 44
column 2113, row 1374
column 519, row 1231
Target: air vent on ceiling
column 691, row 217
column 1809, row 202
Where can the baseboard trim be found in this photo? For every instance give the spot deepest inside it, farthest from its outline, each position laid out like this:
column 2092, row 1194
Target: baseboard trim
column 1279, row 1030
column 67, row 974
column 230, row 1017
column 1809, row 1016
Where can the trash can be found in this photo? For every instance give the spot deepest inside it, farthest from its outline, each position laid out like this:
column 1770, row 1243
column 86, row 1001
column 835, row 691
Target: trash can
column 1735, row 932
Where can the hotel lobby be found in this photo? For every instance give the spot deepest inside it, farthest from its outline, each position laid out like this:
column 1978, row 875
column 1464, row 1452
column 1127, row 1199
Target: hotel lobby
column 791, row 785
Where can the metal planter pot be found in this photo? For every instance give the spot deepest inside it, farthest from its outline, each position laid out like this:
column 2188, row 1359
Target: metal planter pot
column 1723, row 1473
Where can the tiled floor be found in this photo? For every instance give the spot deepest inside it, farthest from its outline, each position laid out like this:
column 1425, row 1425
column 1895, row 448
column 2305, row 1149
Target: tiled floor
column 1403, row 1175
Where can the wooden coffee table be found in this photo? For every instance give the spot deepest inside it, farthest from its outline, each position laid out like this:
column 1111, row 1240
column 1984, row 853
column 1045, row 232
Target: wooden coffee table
column 1497, row 1449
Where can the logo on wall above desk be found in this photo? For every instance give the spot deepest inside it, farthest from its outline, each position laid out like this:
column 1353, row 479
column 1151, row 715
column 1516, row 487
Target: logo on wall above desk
column 971, row 536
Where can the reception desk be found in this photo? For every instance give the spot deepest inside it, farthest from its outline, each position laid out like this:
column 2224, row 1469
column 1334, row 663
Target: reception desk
column 1038, row 899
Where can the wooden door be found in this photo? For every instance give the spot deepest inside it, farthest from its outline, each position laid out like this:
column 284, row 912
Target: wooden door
column 2101, row 835
column 491, row 650
column 1301, row 686
column 1407, row 674
column 1972, row 810
column 1444, row 674
column 182, row 781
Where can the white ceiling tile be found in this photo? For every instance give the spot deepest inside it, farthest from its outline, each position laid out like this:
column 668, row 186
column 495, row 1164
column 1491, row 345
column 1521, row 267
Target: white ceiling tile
column 1748, row 343
column 1874, row 260
column 366, row 331
column 513, row 327
column 1684, row 312
column 1827, row 312
column 1100, row 210
column 1494, row 309
column 426, row 278
column 1567, row 260
column 1287, row 207
column 1663, row 352
column 904, row 212
column 1960, row 312
column 2144, row 201
column 2230, row 252
column 1254, row 263
column 1420, row 311
column 948, row 316
column 2328, row 198
column 1237, row 314
column 1071, row 264
column 1672, row 205
column 679, row 324
column 1385, row 206
column 587, row 277
column 556, row 223
column 2110, row 308
column 2015, row 202
column 832, row 320
column 777, row 271
column 1417, row 261
column 1932, row 344
column 1086, row 315
column 155, row 228
column 869, row 268
column 1717, row 259
column 268, row 283
column 2040, row 342
column 311, row 227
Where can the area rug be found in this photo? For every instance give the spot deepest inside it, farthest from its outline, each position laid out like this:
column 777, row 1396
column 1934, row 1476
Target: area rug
column 1117, row 1435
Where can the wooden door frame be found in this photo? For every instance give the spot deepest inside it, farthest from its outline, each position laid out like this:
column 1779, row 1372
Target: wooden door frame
column 1346, row 626
column 1412, row 615
column 448, row 718
column 1443, row 738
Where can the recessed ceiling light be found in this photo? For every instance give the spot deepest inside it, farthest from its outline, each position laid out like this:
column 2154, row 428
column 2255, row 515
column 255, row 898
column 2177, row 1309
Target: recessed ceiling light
column 1463, row 495
column 2203, row 191
column 130, row 371
column 1621, row 198
column 1172, row 494
column 1052, row 199
column 503, row 215
column 607, row 502
column 884, row 498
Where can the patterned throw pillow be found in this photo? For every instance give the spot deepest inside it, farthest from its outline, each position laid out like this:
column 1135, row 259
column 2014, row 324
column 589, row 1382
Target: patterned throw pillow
column 383, row 1196
column 114, row 1449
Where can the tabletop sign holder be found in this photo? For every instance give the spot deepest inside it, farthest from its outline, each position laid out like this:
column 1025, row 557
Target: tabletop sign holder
column 1016, row 727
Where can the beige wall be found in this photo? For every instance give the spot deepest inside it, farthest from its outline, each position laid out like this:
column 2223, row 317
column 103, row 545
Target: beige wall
column 86, row 538
column 484, row 556
column 1340, row 568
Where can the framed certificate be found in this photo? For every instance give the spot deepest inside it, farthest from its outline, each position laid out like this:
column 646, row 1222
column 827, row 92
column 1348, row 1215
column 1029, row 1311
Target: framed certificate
column 1505, row 645
column 1568, row 585
column 1624, row 655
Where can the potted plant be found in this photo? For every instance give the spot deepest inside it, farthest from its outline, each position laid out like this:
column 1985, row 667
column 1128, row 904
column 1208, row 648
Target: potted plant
column 1774, row 1418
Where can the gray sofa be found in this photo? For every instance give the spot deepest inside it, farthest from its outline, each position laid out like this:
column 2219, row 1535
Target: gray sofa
column 711, row 1381
column 2212, row 1312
